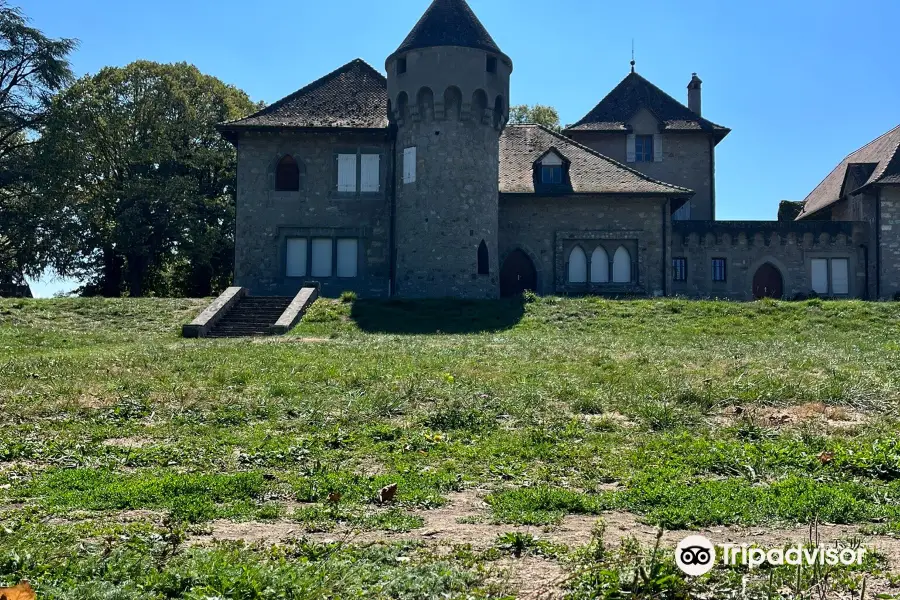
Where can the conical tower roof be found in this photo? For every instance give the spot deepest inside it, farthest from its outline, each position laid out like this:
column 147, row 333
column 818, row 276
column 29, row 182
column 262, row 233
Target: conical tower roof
column 449, row 23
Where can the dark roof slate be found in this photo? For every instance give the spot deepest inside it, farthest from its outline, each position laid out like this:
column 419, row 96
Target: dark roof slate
column 634, row 93
column 880, row 157
column 589, row 171
column 449, row 23
column 353, row 96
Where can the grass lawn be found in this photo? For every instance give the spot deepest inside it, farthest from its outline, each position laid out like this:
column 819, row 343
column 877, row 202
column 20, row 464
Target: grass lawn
column 136, row 464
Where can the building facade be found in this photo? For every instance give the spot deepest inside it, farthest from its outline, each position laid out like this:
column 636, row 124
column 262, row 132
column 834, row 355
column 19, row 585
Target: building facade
column 413, row 185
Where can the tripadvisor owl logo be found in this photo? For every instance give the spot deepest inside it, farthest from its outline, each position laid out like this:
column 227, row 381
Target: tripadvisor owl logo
column 695, row 555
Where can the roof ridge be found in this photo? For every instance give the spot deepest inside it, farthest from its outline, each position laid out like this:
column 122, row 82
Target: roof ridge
column 310, row 86
column 866, row 145
column 614, row 162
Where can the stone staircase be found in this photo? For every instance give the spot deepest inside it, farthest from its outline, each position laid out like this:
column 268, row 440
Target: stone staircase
column 251, row 316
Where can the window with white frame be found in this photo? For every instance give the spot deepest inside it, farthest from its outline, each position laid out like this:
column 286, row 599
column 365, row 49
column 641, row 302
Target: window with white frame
column 409, row 165
column 347, row 257
column 643, row 148
column 295, row 257
column 551, row 169
column 321, row 257
column 830, row 276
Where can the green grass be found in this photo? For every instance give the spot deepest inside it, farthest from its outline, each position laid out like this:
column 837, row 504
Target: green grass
column 545, row 402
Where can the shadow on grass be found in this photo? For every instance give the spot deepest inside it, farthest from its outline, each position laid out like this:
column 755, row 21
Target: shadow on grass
column 437, row 316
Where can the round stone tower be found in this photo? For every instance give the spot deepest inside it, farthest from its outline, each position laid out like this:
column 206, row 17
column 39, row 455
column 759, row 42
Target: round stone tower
column 448, row 95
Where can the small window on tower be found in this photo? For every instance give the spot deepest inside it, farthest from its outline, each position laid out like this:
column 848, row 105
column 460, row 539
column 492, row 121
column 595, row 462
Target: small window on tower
column 401, row 66
column 491, row 64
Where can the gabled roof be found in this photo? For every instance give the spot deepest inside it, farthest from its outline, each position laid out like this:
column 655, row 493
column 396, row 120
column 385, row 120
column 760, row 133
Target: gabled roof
column 589, row 171
column 634, row 93
column 879, row 158
column 353, row 96
column 449, row 23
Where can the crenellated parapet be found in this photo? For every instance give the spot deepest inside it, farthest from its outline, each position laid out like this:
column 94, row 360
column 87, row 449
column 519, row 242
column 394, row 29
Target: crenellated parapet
column 759, row 234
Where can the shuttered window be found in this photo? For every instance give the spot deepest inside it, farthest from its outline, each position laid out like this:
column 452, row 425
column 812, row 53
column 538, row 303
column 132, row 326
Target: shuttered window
column 295, row 258
column 370, row 174
column 321, row 257
column 643, row 148
column 840, row 279
column 657, row 147
column 346, row 172
column 718, row 269
column 409, row 165
column 820, row 275
column 629, row 148
column 347, row 257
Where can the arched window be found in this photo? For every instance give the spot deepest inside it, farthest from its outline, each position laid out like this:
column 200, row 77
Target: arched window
column 599, row 265
column 622, row 266
column 287, row 175
column 499, row 107
column 484, row 263
column 425, row 100
column 403, row 106
column 577, row 266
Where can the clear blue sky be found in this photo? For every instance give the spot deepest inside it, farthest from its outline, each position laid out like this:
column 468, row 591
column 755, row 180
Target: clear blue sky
column 801, row 83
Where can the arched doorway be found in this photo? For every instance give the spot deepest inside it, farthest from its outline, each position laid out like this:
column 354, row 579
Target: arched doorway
column 767, row 282
column 517, row 274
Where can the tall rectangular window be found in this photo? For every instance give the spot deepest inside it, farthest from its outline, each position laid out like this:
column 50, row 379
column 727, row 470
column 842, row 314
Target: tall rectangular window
column 840, row 277
column 409, row 165
column 370, row 176
column 819, row 268
column 643, row 148
column 321, row 257
column 295, row 257
column 679, row 269
column 347, row 257
column 346, row 165
column 718, row 269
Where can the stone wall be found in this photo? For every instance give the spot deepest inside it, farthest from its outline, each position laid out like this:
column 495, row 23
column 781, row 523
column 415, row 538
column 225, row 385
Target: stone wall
column 861, row 207
column 747, row 245
column 686, row 162
column 265, row 218
column 889, row 240
column 547, row 228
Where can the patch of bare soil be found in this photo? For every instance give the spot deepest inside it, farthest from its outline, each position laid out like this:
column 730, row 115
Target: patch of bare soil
column 128, row 442
column 833, row 417
column 532, row 577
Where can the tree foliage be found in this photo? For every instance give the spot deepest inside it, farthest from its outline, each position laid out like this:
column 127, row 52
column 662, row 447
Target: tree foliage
column 539, row 113
column 33, row 67
column 147, row 182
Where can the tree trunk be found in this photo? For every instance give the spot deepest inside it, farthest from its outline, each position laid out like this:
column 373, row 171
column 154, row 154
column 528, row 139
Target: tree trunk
column 111, row 284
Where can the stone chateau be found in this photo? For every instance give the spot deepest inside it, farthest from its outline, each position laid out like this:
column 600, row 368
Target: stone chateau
column 412, row 185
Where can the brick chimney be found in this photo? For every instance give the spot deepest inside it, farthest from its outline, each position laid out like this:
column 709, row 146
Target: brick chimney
column 694, row 94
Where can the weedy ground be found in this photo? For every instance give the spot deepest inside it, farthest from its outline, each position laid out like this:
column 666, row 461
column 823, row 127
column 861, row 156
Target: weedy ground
column 537, row 446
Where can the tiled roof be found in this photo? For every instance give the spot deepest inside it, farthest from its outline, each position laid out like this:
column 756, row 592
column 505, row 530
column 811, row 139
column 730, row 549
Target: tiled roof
column 449, row 23
column 634, row 93
column 353, row 96
column 589, row 171
column 882, row 157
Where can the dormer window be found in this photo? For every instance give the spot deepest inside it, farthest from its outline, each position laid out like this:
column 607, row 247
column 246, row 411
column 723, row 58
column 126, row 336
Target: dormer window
column 551, row 174
column 551, row 169
column 401, row 66
column 491, row 66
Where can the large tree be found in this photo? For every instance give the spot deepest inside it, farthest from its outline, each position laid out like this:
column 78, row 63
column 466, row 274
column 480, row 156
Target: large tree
column 147, row 181
column 33, row 68
column 539, row 113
